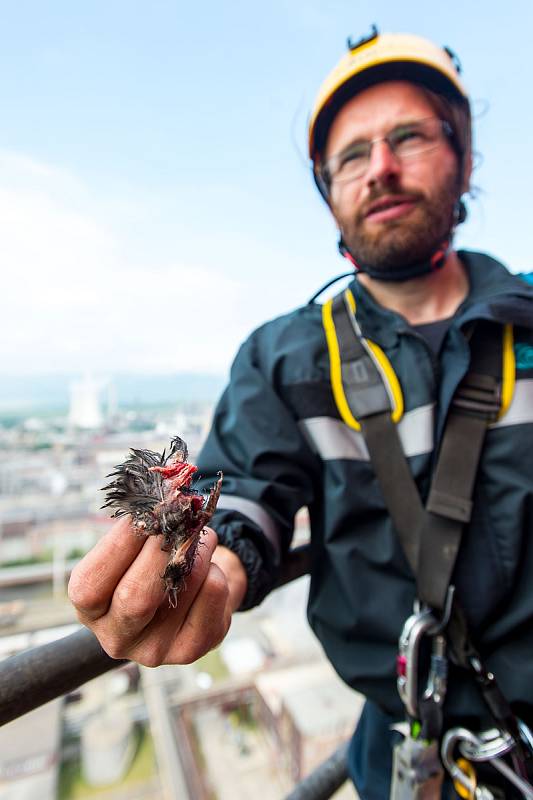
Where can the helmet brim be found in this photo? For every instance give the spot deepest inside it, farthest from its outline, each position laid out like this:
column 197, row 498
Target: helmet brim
column 412, row 71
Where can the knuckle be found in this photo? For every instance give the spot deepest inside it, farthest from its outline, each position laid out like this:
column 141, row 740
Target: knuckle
column 218, row 637
column 73, row 590
column 132, row 602
column 216, row 587
column 148, row 653
column 151, row 656
column 197, row 642
column 115, row 652
column 188, row 654
column 81, row 593
column 194, row 644
column 114, row 648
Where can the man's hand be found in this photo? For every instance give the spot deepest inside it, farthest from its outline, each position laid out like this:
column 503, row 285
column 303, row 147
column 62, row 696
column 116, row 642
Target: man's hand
column 118, row 593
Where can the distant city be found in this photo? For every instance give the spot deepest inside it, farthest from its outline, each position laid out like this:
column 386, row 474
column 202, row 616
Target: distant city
column 20, row 394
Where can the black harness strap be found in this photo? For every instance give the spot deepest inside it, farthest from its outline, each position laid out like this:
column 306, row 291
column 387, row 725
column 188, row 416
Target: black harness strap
column 476, row 403
column 430, row 537
column 396, row 482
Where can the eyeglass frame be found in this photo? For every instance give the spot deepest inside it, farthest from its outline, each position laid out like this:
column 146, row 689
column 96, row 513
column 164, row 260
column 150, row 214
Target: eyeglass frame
column 325, row 179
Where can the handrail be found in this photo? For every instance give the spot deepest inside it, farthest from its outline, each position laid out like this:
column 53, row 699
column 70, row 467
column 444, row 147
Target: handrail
column 33, row 677
column 324, row 781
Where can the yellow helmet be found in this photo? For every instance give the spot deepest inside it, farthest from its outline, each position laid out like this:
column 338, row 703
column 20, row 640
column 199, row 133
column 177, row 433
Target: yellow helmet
column 377, row 58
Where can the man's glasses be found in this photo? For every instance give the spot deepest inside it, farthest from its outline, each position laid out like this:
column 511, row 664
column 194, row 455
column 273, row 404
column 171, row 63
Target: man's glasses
column 405, row 141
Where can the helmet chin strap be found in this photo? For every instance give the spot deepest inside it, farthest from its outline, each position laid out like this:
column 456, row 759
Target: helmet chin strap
column 415, row 269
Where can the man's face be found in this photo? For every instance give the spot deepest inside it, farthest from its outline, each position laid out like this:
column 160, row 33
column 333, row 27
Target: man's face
column 400, row 210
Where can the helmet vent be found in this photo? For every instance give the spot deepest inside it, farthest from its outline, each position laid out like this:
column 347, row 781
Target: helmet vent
column 374, row 33
column 455, row 59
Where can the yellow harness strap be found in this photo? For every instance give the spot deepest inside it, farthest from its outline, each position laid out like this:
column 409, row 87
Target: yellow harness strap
column 366, row 363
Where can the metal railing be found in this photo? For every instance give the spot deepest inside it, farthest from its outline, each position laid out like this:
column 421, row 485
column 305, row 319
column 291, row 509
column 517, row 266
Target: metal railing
column 33, row 677
column 325, row 779
column 36, row 676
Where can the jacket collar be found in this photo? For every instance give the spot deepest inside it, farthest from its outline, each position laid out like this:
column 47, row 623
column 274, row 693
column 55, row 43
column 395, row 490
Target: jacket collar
column 494, row 293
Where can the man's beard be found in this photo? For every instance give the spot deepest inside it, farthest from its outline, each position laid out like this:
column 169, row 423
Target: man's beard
column 411, row 239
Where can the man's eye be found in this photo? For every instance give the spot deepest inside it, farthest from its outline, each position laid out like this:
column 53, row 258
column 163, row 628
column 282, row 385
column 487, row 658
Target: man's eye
column 353, row 155
column 406, row 136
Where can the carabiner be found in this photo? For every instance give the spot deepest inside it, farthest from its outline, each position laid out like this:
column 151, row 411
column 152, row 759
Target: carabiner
column 459, row 776
column 415, row 628
column 481, row 748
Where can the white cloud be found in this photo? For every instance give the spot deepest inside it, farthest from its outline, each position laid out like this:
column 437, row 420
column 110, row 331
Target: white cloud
column 71, row 299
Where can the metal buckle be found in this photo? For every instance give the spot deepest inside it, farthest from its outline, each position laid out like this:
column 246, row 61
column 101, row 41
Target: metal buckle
column 479, row 396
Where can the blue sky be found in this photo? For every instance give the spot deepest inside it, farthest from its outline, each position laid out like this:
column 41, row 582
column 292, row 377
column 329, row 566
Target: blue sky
column 155, row 200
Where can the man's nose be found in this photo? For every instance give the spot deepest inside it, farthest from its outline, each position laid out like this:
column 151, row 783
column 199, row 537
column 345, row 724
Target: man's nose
column 383, row 163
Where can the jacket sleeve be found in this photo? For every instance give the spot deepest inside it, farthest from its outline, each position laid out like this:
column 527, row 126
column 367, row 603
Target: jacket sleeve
column 269, row 470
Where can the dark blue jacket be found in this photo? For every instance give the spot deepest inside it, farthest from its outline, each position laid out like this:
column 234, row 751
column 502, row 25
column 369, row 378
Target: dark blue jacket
column 279, row 439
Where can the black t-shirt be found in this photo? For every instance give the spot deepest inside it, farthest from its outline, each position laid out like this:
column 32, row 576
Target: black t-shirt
column 434, row 333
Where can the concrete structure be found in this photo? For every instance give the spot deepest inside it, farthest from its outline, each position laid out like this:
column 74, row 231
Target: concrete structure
column 107, row 746
column 85, row 411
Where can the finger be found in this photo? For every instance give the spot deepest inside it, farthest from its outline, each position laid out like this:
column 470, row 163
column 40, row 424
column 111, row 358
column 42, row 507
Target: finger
column 236, row 576
column 206, row 623
column 140, row 591
column 95, row 577
column 203, row 629
column 137, row 618
column 186, row 596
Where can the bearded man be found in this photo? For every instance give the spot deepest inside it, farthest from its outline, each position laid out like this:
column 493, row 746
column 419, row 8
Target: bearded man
column 401, row 414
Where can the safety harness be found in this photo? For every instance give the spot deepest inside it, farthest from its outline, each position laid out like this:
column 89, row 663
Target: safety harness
column 369, row 398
